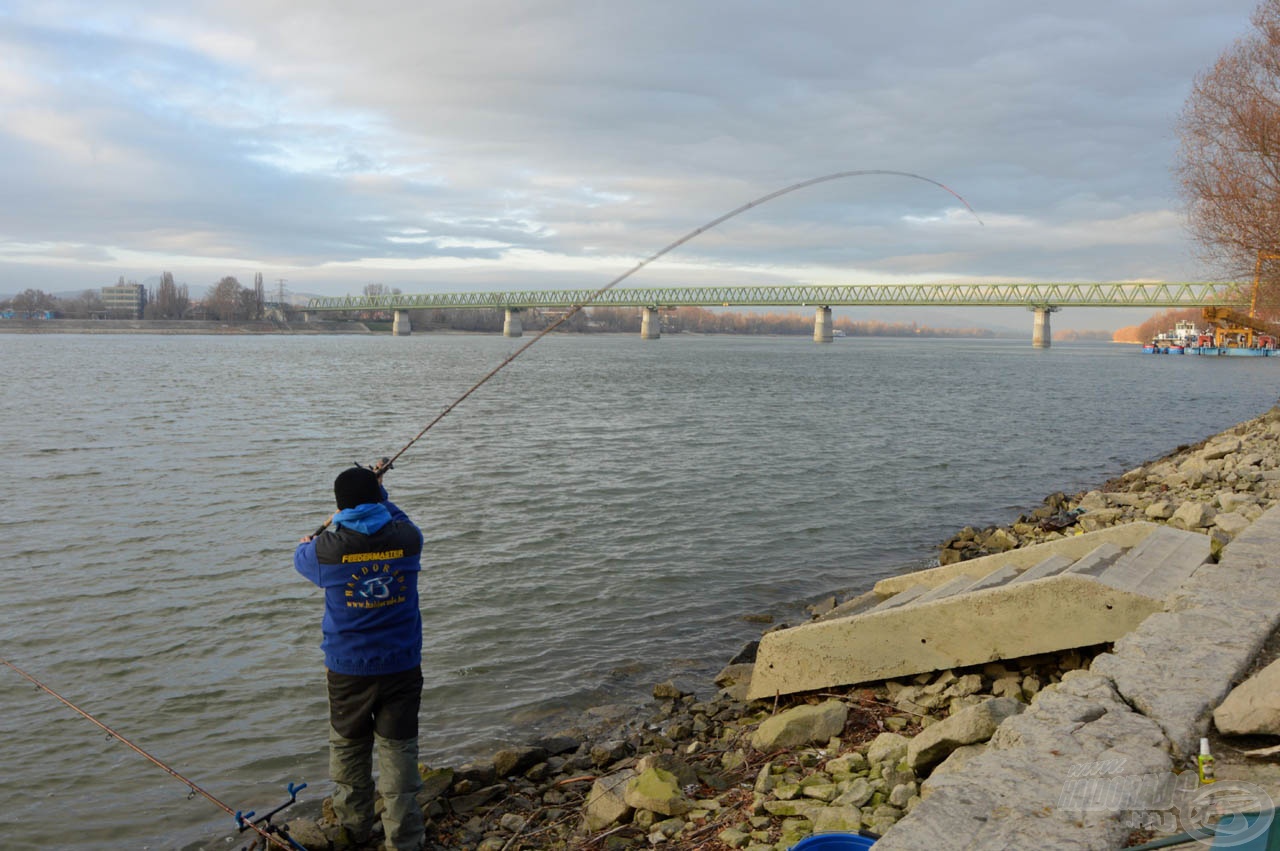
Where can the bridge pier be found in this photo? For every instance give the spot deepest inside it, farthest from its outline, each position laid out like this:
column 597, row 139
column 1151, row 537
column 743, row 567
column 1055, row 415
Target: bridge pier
column 511, row 326
column 650, row 324
column 400, row 327
column 1122, row 294
column 822, row 325
column 1041, row 333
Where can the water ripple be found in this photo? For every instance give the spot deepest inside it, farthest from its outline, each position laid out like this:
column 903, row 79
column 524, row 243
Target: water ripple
column 601, row 517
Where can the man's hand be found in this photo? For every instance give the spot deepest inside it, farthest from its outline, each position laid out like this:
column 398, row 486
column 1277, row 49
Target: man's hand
column 306, row 539
column 380, row 466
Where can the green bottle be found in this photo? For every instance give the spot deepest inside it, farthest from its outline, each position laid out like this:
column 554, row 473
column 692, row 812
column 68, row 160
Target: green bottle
column 1204, row 763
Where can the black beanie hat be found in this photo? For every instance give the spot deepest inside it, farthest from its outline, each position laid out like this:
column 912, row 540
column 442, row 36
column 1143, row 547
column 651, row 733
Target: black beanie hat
column 356, row 486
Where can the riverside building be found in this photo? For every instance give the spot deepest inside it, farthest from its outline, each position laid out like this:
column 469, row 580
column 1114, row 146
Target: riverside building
column 124, row 301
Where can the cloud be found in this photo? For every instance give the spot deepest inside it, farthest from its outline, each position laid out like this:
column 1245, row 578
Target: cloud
column 53, row 253
column 452, row 143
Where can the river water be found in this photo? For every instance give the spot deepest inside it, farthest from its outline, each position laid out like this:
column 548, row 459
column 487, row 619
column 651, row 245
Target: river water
column 598, row 518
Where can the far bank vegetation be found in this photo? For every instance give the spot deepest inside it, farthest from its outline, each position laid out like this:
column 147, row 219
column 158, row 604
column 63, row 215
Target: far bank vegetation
column 1156, row 325
column 693, row 320
column 229, row 301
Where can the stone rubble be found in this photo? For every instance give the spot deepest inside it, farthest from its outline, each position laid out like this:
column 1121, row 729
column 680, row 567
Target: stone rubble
column 1218, row 487
column 899, row 758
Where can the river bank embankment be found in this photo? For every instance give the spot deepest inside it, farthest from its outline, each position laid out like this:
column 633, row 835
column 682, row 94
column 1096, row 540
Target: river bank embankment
column 175, row 326
column 707, row 769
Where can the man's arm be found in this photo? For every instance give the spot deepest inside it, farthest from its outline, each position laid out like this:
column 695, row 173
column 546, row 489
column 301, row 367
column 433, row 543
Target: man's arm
column 305, row 561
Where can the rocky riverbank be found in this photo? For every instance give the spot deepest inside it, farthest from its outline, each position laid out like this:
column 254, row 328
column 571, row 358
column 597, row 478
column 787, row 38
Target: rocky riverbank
column 717, row 772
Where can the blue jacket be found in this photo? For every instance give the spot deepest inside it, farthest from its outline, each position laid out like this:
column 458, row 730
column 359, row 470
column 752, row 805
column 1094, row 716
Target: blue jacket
column 367, row 562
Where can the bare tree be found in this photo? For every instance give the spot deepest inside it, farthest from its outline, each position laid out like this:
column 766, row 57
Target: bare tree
column 247, row 305
column 171, row 301
column 374, row 291
column 85, row 305
column 1229, row 162
column 259, row 296
column 224, row 299
column 34, row 301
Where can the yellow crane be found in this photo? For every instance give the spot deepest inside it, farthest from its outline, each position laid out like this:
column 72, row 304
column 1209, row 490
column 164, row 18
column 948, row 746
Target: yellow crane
column 1233, row 329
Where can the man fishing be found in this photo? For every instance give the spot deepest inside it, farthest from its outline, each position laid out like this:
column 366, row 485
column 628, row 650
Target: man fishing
column 367, row 561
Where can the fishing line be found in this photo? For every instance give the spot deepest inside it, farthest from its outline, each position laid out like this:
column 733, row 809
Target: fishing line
column 241, row 818
column 386, row 463
column 268, row 833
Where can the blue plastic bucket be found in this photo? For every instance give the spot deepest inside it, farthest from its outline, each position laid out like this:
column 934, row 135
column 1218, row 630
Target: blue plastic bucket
column 834, row 842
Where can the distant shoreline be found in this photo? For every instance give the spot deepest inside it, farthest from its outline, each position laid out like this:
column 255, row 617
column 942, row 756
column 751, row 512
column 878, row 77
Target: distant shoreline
column 173, row 326
column 317, row 327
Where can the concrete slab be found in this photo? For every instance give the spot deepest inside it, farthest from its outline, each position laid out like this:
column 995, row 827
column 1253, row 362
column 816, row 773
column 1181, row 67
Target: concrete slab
column 1097, row 560
column 1157, row 565
column 1164, row 677
column 1054, row 613
column 854, row 606
column 1073, row 546
column 932, row 620
column 901, row 598
column 1179, row 665
column 999, row 576
column 946, row 589
column 1051, row 566
column 1027, row 790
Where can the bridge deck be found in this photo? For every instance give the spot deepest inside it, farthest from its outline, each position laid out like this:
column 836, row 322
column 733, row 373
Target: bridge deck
column 1041, row 295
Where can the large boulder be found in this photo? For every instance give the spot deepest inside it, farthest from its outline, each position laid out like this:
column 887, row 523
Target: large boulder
column 1192, row 516
column 955, row 762
column 658, row 791
column 462, row 805
column 800, row 726
column 308, row 831
column 857, row 792
column 1000, row 540
column 513, row 761
column 606, row 805
column 1253, row 707
column 1232, row 501
column 1231, row 522
column 1093, row 500
column 837, row 820
column 1092, row 521
column 435, row 782
column 1221, row 447
column 684, row 773
column 967, row 727
column 887, row 747
column 734, row 680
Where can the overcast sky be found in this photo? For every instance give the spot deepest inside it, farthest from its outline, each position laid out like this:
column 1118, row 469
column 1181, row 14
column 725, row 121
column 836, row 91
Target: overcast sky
column 441, row 146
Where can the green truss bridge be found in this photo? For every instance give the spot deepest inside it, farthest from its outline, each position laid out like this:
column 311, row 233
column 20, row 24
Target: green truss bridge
column 1041, row 298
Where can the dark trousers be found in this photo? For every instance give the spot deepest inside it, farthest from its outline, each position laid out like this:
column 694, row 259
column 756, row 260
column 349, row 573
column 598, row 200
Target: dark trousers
column 386, row 704
column 381, row 711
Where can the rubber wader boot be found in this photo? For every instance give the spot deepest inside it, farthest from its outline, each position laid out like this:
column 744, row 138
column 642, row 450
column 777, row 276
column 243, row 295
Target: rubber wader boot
column 351, row 770
column 399, row 784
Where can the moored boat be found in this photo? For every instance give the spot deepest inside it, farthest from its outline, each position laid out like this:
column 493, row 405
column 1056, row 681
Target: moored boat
column 1229, row 341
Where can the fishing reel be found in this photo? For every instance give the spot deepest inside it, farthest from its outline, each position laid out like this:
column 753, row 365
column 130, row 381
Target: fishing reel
column 377, row 468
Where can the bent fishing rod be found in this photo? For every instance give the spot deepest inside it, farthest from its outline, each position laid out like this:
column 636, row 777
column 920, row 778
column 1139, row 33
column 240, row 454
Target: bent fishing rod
column 385, row 464
column 269, row 833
